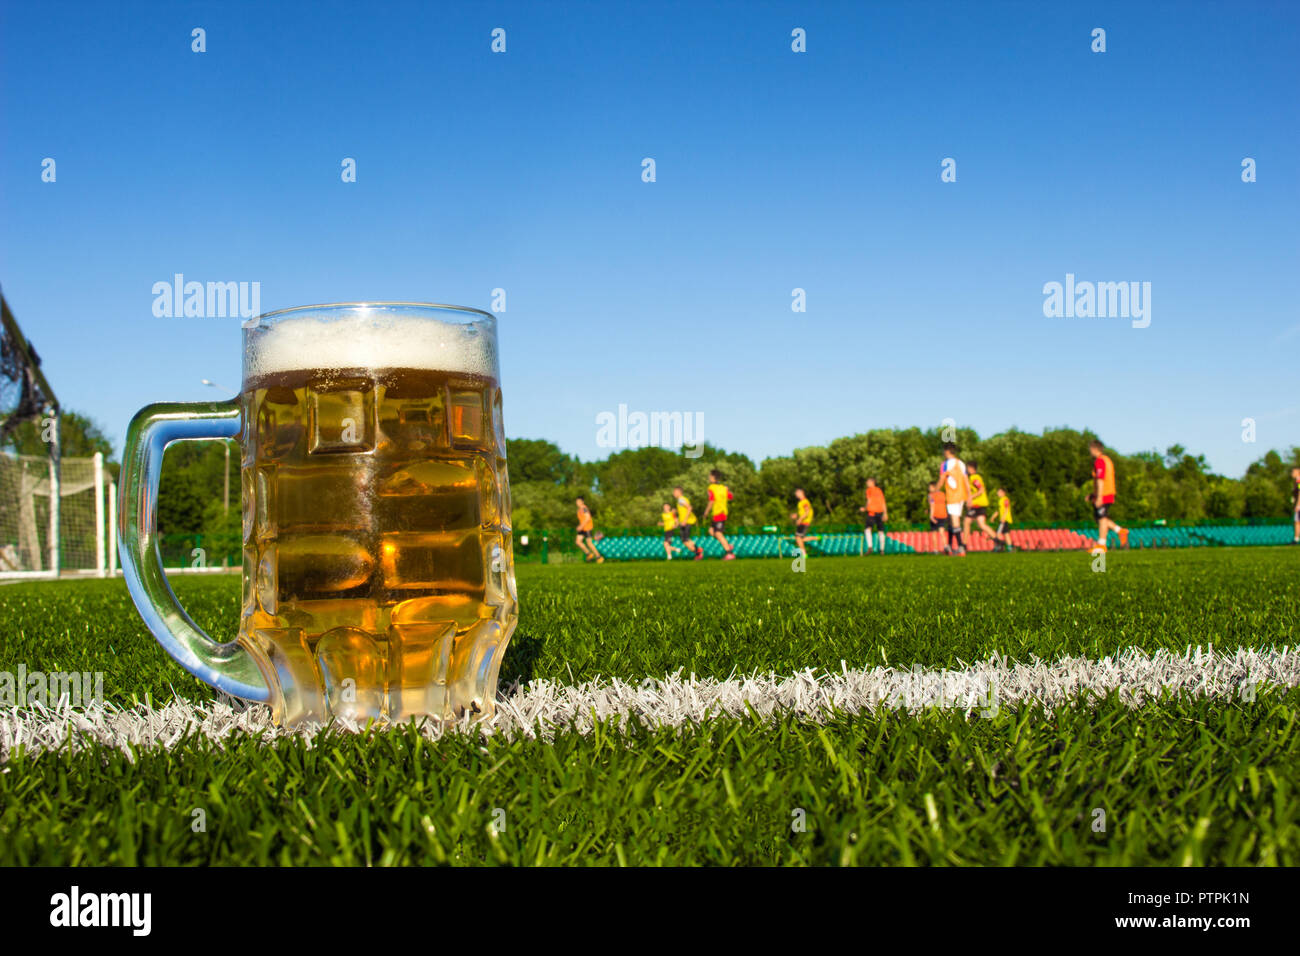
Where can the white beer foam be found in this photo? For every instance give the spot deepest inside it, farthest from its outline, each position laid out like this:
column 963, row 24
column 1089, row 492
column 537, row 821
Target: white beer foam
column 376, row 339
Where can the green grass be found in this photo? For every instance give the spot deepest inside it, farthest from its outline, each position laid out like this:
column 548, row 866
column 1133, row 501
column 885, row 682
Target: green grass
column 636, row 620
column 1186, row 782
column 1181, row 781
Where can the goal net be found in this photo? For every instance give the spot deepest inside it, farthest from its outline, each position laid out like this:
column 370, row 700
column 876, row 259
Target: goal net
column 28, row 527
column 55, row 512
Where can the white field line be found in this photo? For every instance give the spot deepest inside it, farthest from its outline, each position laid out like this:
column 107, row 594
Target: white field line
column 543, row 708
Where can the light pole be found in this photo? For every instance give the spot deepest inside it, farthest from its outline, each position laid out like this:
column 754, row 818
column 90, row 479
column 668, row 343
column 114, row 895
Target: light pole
column 225, row 495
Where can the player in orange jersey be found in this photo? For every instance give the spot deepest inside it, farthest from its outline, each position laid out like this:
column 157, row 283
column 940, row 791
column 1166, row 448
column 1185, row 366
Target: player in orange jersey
column 585, row 527
column 877, row 513
column 938, row 513
column 1103, row 495
column 956, row 496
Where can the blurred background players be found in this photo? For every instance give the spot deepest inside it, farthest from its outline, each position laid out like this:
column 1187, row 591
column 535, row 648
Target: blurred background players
column 585, row 527
column 1103, row 495
column 719, row 498
column 803, row 516
column 670, row 530
column 1004, row 520
column 686, row 523
column 979, row 506
column 938, row 514
column 956, row 495
column 877, row 514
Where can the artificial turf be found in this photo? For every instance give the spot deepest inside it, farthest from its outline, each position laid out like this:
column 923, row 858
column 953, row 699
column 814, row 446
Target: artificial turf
column 1182, row 782
column 1188, row 780
column 578, row 622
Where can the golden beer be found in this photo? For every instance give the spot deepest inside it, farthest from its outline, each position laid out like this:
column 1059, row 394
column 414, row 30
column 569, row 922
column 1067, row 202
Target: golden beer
column 378, row 569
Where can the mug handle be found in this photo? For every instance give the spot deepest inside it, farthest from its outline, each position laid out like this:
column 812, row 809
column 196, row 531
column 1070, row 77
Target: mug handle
column 228, row 667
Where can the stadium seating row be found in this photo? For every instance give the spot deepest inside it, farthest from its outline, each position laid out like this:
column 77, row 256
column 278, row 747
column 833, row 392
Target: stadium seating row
column 632, row 548
column 1250, row 535
column 645, row 547
column 1032, row 539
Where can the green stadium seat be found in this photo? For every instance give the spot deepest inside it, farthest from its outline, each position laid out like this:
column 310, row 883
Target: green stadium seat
column 849, row 544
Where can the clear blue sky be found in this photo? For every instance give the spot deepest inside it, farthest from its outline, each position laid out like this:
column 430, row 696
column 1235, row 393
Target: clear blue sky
column 775, row 170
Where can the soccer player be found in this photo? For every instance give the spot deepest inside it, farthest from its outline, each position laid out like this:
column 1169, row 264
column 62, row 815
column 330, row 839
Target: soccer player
column 686, row 518
column 938, row 512
column 1295, row 474
column 1103, row 481
column 1004, row 519
column 956, row 495
column 585, row 526
column 802, row 520
column 877, row 515
column 979, row 505
column 719, row 496
column 670, row 531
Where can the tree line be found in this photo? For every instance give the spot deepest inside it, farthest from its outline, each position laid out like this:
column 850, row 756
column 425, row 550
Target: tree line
column 1047, row 476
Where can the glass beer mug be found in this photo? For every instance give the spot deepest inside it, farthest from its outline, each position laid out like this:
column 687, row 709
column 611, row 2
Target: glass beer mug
column 378, row 572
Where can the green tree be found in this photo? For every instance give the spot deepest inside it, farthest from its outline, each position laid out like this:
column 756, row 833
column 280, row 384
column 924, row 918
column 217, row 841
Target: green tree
column 80, row 436
column 193, row 476
column 1269, row 488
column 530, row 459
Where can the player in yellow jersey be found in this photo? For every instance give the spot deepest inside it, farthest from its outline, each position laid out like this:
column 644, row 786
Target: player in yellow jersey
column 1004, row 519
column 979, row 505
column 956, row 495
column 802, row 517
column 586, row 524
column 670, row 530
column 685, row 523
column 1103, row 495
column 719, row 497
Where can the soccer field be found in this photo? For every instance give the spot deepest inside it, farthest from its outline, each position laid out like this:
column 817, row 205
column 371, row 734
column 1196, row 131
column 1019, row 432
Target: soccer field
column 840, row 715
